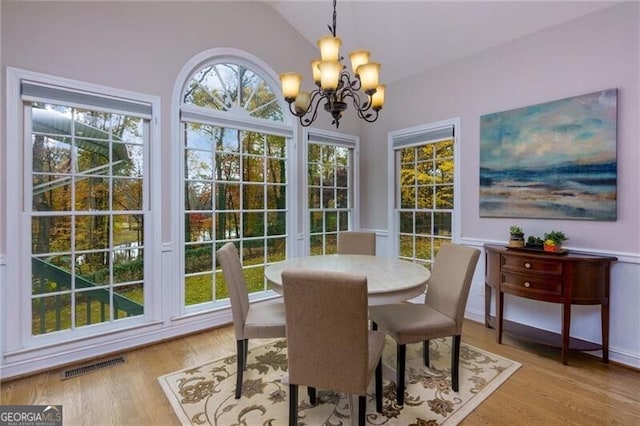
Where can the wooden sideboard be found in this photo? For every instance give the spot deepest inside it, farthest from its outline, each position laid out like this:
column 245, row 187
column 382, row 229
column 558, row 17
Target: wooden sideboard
column 567, row 278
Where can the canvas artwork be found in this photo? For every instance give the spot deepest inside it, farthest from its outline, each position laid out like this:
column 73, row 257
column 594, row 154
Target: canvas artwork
column 555, row 160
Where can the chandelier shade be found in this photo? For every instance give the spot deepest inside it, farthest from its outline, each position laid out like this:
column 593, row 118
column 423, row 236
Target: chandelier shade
column 335, row 86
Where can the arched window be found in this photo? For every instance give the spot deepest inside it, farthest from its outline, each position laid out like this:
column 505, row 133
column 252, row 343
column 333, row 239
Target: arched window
column 233, row 88
column 233, row 157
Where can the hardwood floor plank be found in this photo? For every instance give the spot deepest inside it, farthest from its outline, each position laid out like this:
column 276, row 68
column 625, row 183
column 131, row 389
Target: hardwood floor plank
column 542, row 392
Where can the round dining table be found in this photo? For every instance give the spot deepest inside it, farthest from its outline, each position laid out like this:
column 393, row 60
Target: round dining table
column 389, row 280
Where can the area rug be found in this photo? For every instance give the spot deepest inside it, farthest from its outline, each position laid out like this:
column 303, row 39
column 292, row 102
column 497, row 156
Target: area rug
column 204, row 395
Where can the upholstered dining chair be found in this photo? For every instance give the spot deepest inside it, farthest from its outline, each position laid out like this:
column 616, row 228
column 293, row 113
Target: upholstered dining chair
column 352, row 242
column 441, row 315
column 257, row 321
column 329, row 343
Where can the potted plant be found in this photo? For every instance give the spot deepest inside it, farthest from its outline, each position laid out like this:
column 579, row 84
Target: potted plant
column 535, row 242
column 553, row 241
column 516, row 236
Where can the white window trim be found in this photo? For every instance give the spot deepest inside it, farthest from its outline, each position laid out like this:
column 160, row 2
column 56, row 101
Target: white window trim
column 333, row 138
column 175, row 295
column 391, row 180
column 18, row 337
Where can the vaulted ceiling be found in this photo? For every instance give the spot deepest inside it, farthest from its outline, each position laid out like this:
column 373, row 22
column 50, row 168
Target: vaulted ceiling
column 408, row 37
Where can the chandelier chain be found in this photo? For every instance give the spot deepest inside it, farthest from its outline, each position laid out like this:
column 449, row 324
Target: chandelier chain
column 335, row 18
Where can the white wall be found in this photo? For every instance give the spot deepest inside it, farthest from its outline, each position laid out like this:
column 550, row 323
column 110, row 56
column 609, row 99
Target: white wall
column 595, row 52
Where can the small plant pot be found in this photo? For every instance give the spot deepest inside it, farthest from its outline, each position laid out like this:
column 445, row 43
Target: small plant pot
column 516, row 240
column 551, row 247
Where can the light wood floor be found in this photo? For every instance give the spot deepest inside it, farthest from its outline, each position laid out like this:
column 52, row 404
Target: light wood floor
column 541, row 392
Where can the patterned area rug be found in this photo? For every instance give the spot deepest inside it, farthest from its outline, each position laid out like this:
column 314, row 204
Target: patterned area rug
column 204, row 395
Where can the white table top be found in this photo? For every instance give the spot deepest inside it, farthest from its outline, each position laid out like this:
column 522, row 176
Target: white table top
column 388, row 280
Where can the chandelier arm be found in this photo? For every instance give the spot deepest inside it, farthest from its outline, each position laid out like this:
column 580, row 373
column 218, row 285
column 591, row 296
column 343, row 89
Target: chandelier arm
column 364, row 111
column 312, row 110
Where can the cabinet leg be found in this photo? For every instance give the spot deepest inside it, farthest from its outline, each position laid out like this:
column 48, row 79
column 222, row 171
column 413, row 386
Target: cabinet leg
column 604, row 312
column 499, row 311
column 487, row 305
column 566, row 327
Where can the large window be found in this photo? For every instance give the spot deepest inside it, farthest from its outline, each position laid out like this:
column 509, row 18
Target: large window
column 330, row 188
column 86, row 209
column 424, row 207
column 234, row 157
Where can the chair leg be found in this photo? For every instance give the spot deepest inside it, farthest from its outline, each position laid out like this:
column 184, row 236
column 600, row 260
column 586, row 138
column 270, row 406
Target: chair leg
column 246, row 353
column 379, row 386
column 293, row 405
column 240, row 367
column 455, row 362
column 311, row 391
column 401, row 358
column 362, row 409
column 425, row 353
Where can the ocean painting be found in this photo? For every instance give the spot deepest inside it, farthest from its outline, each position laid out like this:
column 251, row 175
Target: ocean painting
column 555, row 160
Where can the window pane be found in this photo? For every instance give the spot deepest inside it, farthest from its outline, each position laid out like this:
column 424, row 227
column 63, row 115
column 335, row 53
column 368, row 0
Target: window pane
column 52, row 313
column 51, row 274
column 198, row 227
column 276, row 223
column 92, row 232
column 253, row 224
column 198, row 258
column 51, row 192
column 50, row 234
column 92, row 268
column 128, row 265
column 127, row 194
column 198, row 289
column 92, row 193
column 406, row 222
column 253, row 197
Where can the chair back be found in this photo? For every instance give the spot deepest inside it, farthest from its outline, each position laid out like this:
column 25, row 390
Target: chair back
column 327, row 330
column 450, row 280
column 352, row 242
column 229, row 260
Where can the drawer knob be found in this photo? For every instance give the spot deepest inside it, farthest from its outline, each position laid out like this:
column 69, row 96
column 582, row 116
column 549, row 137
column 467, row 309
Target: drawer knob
column 527, row 265
column 527, row 284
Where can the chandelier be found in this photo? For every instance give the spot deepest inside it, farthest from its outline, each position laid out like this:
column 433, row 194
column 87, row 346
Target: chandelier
column 335, row 84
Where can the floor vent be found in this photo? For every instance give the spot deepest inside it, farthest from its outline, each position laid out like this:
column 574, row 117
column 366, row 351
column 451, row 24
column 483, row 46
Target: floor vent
column 90, row 368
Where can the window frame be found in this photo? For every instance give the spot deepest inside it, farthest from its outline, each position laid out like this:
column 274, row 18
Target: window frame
column 18, row 218
column 181, row 113
column 330, row 137
column 412, row 136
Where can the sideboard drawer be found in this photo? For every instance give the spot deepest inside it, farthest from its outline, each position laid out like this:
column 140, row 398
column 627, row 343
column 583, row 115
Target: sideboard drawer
column 531, row 285
column 530, row 264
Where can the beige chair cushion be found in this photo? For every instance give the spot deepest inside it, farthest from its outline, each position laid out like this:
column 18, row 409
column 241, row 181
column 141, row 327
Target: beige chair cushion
column 265, row 320
column 357, row 243
column 407, row 322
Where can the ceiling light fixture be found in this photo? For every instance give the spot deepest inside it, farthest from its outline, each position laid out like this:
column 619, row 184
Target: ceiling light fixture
column 335, row 84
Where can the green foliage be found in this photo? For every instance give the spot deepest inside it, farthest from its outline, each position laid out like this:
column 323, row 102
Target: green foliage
column 515, row 229
column 534, row 241
column 556, row 236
